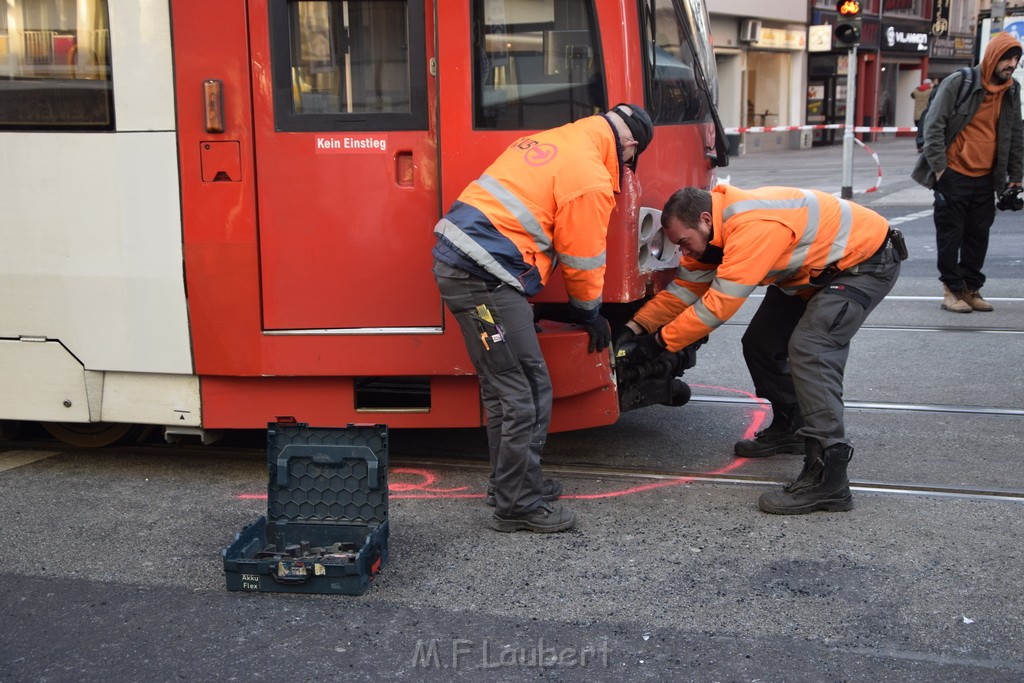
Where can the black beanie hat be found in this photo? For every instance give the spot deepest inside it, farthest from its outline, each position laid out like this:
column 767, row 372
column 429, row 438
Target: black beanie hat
column 639, row 124
column 1014, row 51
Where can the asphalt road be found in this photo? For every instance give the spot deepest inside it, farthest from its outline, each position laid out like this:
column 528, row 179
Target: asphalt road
column 113, row 570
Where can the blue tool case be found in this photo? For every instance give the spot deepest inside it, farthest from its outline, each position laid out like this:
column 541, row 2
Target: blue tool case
column 326, row 528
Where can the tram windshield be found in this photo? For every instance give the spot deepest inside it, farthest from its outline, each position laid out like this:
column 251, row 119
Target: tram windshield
column 679, row 57
column 536, row 64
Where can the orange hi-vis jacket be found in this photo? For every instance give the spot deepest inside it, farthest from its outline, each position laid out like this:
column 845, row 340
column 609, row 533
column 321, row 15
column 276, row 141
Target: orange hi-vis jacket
column 772, row 235
column 545, row 200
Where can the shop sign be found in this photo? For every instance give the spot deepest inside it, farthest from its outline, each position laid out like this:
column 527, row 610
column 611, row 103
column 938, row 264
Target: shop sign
column 953, row 47
column 782, row 39
column 940, row 17
column 904, row 39
column 819, row 38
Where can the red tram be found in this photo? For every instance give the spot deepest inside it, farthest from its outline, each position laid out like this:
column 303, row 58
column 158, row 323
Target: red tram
column 220, row 213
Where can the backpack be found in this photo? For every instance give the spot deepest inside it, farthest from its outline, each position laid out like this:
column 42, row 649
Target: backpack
column 961, row 96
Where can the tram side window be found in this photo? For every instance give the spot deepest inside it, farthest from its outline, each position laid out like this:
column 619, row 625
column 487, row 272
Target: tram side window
column 537, row 63
column 674, row 95
column 349, row 64
column 55, row 65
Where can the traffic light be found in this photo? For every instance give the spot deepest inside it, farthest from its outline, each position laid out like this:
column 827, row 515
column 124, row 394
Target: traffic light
column 848, row 24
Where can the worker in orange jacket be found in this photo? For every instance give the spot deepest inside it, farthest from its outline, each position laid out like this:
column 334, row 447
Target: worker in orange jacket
column 829, row 263
column 545, row 201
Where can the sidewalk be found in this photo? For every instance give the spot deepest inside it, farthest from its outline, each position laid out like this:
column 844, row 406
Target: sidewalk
column 821, row 168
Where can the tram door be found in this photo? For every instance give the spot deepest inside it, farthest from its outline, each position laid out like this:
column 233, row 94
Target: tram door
column 346, row 163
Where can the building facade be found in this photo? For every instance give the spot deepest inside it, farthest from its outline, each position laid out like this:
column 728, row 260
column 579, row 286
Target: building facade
column 778, row 65
column 761, row 51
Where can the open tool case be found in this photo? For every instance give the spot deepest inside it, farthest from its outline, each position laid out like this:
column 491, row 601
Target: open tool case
column 326, row 528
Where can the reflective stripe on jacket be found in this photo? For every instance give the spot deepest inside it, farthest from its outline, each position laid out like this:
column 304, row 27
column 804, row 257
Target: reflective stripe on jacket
column 772, row 235
column 545, row 200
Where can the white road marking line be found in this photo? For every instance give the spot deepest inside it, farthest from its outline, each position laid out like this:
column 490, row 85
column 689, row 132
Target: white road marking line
column 910, row 217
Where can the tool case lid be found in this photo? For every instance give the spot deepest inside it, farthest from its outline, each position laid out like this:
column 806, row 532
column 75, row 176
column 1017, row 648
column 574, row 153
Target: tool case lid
column 327, row 475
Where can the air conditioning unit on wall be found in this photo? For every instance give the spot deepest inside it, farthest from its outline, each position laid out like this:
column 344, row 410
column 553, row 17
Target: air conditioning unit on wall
column 750, row 30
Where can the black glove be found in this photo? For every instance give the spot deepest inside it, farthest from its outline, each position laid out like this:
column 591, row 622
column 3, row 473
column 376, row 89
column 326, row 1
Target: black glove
column 596, row 325
column 622, row 336
column 647, row 347
column 600, row 334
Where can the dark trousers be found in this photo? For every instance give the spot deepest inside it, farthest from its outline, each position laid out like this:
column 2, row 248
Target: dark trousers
column 965, row 209
column 796, row 350
column 497, row 327
column 766, row 347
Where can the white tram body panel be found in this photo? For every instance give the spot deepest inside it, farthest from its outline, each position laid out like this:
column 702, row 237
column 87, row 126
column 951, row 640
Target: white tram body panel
column 94, row 324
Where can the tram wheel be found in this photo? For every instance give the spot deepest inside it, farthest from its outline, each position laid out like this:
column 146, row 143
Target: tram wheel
column 94, row 434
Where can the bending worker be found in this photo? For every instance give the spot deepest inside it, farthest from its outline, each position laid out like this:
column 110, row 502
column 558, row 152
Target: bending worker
column 545, row 200
column 829, row 263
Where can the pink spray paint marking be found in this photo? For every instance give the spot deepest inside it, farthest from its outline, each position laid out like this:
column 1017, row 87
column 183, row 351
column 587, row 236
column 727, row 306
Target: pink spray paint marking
column 413, row 483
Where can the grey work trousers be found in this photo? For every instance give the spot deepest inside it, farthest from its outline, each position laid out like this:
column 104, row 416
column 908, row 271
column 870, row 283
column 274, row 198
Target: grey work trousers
column 514, row 383
column 797, row 350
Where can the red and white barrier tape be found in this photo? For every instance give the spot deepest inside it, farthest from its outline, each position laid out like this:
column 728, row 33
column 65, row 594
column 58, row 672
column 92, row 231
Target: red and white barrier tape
column 836, row 126
column 878, row 165
column 831, row 126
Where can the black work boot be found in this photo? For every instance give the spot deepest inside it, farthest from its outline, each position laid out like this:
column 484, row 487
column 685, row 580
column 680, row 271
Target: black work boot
column 779, row 437
column 822, row 485
column 544, row 519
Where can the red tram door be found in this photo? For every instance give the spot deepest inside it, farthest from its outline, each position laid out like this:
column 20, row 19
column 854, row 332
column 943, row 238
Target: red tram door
column 346, row 163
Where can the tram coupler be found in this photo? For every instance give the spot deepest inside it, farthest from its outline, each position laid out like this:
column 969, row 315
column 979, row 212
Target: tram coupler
column 655, row 382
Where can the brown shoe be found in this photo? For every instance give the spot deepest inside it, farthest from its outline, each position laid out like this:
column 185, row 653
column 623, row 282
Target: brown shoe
column 974, row 300
column 954, row 301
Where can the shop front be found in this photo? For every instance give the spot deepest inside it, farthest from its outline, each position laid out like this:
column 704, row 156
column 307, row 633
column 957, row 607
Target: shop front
column 903, row 56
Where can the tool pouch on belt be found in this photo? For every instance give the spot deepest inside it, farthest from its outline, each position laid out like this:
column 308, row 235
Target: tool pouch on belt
column 899, row 244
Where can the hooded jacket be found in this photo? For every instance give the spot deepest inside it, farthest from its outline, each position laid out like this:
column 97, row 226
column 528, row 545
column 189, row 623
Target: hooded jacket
column 545, row 200
column 771, row 235
column 942, row 124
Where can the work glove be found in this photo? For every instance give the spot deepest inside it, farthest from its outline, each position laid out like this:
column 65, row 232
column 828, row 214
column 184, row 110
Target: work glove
column 596, row 325
column 623, row 336
column 600, row 334
column 647, row 347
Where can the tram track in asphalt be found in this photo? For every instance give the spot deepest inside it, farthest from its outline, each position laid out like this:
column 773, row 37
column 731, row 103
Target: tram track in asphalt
column 919, row 328
column 16, row 453
column 685, row 476
column 876, row 405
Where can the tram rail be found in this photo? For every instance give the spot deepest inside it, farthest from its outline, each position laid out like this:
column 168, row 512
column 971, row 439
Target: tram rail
column 23, row 452
column 875, row 405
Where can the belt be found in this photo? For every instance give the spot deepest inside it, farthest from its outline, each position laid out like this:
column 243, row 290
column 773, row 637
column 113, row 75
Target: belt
column 870, row 264
column 886, row 243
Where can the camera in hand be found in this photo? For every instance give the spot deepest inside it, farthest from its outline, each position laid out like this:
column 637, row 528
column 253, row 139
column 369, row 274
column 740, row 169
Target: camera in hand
column 1010, row 199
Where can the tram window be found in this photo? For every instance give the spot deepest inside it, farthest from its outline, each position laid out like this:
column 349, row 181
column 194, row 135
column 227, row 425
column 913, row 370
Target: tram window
column 674, row 95
column 55, row 65
column 537, row 63
column 349, row 64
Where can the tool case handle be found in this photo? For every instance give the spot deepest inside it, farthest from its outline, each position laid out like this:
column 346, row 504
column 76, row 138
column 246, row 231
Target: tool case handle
column 328, row 455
